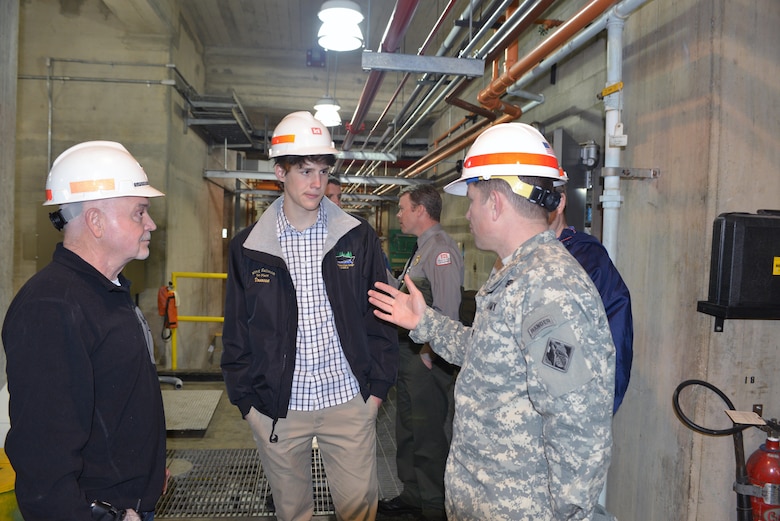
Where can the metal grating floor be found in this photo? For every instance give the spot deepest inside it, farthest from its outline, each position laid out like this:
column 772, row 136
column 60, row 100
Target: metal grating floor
column 225, row 483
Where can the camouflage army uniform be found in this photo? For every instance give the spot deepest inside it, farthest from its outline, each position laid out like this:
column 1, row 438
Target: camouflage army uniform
column 533, row 402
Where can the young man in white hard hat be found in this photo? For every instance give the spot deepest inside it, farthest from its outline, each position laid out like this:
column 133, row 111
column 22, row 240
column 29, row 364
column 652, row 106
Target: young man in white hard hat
column 304, row 356
column 87, row 437
column 533, row 400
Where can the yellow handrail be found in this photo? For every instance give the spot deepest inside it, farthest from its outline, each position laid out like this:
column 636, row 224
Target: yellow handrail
column 191, row 318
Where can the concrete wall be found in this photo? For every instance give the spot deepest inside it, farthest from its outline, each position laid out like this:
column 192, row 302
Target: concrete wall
column 107, row 85
column 9, row 41
column 700, row 105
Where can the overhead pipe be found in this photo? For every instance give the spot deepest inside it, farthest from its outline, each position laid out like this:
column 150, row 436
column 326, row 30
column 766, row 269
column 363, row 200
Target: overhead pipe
column 391, row 41
column 450, row 87
column 465, row 139
column 613, row 21
column 448, row 43
column 511, row 52
column 520, row 19
column 420, row 52
column 443, row 49
column 623, row 9
column 490, row 97
column 511, row 36
column 434, row 30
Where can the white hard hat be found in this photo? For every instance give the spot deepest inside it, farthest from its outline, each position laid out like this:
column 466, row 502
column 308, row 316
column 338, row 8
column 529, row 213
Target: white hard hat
column 508, row 149
column 300, row 134
column 96, row 170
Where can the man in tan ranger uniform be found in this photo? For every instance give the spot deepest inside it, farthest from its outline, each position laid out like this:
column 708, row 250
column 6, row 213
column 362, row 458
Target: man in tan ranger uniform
column 425, row 380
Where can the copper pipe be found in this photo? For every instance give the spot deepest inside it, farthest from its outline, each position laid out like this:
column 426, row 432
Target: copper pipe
column 510, row 39
column 462, row 141
column 474, row 109
column 489, row 97
column 449, row 132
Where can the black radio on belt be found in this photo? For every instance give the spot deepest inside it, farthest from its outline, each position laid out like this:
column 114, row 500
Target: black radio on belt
column 102, row 511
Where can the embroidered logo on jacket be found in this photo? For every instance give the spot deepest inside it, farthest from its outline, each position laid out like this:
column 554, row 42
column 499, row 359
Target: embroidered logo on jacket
column 558, row 355
column 345, row 260
column 443, row 259
column 263, row 275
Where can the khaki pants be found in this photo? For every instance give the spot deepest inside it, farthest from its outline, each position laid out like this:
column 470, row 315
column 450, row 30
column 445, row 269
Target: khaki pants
column 346, row 436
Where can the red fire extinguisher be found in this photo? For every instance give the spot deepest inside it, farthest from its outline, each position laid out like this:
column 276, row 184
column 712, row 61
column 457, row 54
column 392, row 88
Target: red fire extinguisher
column 167, row 302
column 758, row 481
column 763, row 470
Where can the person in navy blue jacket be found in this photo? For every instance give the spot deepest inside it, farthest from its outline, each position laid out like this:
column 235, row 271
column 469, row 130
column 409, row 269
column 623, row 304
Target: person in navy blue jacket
column 303, row 354
column 592, row 256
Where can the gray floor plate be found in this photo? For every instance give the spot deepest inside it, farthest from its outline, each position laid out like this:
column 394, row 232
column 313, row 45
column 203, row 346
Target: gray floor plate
column 189, row 410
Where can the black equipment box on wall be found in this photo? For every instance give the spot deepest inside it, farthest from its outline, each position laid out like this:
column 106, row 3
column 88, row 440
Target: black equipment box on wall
column 744, row 267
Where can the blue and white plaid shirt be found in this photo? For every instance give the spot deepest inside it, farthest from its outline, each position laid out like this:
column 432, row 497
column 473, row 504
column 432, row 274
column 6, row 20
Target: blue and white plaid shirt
column 322, row 376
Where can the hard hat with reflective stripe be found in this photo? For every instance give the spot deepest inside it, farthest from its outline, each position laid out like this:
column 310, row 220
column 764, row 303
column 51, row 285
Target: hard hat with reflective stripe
column 96, row 170
column 300, row 134
column 508, row 149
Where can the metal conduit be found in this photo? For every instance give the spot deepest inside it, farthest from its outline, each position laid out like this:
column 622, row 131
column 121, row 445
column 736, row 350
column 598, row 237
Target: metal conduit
column 466, row 15
column 520, row 19
column 423, row 47
column 396, row 29
column 517, row 19
column 369, row 168
column 490, row 96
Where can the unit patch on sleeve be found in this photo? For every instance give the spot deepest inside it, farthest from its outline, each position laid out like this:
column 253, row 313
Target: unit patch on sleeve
column 443, row 259
column 558, row 355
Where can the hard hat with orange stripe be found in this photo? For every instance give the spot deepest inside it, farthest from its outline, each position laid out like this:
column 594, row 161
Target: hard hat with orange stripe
column 506, row 151
column 96, row 170
column 300, row 134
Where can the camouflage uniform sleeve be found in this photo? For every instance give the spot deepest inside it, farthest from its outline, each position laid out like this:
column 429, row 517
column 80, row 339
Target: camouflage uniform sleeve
column 447, row 337
column 570, row 382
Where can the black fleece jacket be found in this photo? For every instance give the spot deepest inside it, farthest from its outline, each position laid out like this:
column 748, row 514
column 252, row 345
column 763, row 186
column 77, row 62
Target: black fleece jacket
column 86, row 411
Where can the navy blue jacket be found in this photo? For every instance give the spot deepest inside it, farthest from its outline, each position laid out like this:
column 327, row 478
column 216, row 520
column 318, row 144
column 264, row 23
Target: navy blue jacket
column 86, row 411
column 261, row 312
column 592, row 256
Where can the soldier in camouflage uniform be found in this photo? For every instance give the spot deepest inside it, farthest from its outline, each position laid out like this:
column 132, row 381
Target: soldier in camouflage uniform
column 533, row 401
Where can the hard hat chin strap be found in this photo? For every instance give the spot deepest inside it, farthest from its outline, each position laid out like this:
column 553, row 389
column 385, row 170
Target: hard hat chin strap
column 536, row 194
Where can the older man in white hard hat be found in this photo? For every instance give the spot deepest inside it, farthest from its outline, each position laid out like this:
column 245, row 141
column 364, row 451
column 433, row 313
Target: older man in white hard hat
column 87, row 437
column 303, row 354
column 533, row 401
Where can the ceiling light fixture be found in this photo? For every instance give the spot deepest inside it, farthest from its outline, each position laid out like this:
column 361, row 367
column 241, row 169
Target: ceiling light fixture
column 328, row 111
column 327, row 107
column 340, row 30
